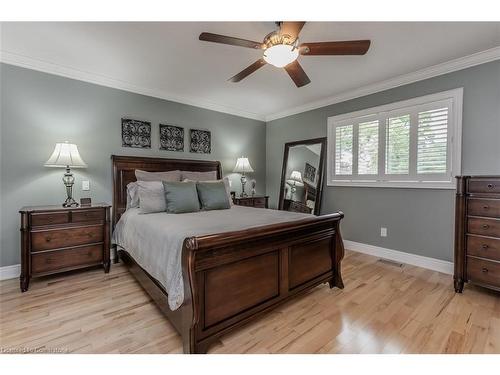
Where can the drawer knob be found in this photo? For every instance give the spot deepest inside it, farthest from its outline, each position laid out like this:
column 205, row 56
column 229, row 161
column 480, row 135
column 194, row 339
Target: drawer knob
column 484, row 270
column 490, row 186
column 48, row 239
column 486, row 207
column 484, row 246
column 485, row 226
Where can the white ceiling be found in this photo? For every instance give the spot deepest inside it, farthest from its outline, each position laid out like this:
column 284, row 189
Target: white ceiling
column 167, row 58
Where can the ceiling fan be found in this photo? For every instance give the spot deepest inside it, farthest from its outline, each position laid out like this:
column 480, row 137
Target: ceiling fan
column 281, row 49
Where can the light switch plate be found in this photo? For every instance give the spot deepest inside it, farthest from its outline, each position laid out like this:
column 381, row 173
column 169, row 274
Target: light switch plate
column 383, row 232
column 85, row 185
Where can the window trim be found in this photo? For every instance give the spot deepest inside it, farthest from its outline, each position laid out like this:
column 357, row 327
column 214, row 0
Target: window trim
column 380, row 112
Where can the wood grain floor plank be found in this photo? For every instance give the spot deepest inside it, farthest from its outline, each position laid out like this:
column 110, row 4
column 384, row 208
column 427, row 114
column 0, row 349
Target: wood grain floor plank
column 384, row 308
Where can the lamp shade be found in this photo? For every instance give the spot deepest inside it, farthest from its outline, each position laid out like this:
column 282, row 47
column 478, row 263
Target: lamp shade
column 296, row 176
column 242, row 166
column 65, row 155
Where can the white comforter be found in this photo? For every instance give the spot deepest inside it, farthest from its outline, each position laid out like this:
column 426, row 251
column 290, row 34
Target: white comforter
column 155, row 240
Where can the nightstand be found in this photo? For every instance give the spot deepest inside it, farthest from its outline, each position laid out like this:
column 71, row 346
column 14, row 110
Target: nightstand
column 56, row 239
column 255, row 201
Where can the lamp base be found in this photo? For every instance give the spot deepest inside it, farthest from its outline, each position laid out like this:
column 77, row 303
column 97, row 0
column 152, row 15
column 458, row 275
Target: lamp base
column 243, row 182
column 70, row 202
column 68, row 181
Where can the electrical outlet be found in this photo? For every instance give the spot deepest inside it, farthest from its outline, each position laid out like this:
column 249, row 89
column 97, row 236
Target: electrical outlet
column 383, row 232
column 85, row 185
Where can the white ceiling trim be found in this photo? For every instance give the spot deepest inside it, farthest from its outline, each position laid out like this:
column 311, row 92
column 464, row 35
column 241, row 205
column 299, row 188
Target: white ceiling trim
column 433, row 71
column 68, row 72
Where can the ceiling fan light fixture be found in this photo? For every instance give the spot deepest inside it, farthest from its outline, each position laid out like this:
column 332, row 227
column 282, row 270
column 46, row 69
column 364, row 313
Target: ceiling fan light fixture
column 281, row 55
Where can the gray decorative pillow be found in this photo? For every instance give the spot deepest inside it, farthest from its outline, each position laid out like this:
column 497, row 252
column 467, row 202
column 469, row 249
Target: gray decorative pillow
column 199, row 176
column 181, row 197
column 151, row 197
column 226, row 185
column 213, row 195
column 157, row 176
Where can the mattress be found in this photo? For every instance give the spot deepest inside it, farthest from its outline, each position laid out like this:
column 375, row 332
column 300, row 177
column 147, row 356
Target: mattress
column 155, row 240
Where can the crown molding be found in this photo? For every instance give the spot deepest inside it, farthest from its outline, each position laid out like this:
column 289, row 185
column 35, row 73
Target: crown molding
column 101, row 80
column 419, row 75
column 433, row 71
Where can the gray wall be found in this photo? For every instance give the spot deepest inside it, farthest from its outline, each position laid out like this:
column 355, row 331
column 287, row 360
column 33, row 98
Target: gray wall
column 419, row 221
column 38, row 110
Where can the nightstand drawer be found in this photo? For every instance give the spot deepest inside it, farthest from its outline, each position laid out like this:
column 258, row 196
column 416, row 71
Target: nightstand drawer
column 57, row 238
column 67, row 258
column 259, row 202
column 87, row 215
column 484, row 207
column 49, row 218
column 255, row 201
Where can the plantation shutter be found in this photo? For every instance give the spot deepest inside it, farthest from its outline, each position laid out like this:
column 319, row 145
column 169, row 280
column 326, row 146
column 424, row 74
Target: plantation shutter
column 368, row 148
column 343, row 150
column 432, row 141
column 397, row 158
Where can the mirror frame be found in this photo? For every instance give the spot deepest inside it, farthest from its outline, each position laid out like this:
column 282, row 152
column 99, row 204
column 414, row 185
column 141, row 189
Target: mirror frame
column 319, row 187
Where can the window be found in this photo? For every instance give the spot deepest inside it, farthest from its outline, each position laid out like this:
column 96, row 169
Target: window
column 414, row 143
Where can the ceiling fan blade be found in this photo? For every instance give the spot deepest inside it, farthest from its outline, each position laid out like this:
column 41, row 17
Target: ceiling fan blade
column 291, row 28
column 351, row 47
column 216, row 38
column 297, row 74
column 247, row 71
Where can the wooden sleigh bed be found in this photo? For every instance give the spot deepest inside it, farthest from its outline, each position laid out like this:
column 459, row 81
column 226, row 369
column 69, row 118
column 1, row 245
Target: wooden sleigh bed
column 233, row 277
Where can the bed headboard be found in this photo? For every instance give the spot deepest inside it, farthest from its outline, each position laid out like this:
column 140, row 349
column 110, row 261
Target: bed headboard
column 124, row 172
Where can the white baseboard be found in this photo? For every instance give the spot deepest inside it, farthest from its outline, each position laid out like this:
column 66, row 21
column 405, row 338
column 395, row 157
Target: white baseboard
column 14, row 271
column 10, row 272
column 401, row 257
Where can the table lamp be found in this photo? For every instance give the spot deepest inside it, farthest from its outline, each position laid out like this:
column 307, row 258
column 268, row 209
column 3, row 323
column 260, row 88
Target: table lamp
column 295, row 180
column 243, row 166
column 66, row 155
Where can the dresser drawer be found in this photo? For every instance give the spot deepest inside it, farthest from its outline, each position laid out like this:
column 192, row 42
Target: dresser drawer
column 67, row 258
column 49, row 218
column 479, row 185
column 483, row 207
column 483, row 247
column 57, row 238
column 485, row 227
column 87, row 215
column 483, row 271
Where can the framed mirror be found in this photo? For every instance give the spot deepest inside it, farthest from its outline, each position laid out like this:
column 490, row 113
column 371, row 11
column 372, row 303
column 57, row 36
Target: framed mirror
column 302, row 176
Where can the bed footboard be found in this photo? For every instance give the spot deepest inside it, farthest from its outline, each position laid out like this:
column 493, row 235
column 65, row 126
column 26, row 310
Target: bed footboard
column 233, row 277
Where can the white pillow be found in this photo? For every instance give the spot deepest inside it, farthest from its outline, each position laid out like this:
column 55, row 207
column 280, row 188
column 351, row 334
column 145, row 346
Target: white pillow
column 132, row 195
column 199, row 176
column 151, row 197
column 228, row 190
column 157, row 176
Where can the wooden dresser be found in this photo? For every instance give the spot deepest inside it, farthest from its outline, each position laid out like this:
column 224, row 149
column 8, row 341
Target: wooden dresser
column 255, row 201
column 477, row 232
column 56, row 239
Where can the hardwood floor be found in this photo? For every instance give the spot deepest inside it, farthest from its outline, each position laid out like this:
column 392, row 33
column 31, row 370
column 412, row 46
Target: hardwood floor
column 383, row 309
